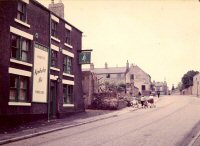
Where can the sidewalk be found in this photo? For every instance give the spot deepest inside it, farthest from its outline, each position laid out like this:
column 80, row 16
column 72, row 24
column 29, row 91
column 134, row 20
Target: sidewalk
column 43, row 126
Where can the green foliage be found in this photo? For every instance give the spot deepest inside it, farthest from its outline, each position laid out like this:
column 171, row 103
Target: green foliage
column 187, row 79
column 121, row 87
column 180, row 86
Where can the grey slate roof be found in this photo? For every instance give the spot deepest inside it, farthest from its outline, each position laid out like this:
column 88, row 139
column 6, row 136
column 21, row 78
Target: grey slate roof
column 110, row 70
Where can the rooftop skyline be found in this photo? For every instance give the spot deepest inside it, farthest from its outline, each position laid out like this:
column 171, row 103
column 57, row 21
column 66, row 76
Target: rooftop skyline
column 161, row 37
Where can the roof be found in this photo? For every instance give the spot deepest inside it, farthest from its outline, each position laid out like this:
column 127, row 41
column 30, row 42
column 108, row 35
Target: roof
column 110, row 70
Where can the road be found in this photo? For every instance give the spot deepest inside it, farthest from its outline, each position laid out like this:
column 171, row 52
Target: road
column 174, row 122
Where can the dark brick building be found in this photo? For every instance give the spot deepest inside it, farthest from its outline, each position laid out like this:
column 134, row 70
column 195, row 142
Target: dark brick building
column 39, row 69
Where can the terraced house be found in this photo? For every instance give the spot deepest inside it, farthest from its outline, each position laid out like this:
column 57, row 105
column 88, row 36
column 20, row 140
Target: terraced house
column 39, row 70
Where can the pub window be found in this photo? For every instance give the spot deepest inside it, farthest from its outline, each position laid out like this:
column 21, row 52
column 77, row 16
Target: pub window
column 54, row 28
column 22, row 11
column 67, row 65
column 53, row 58
column 20, row 48
column 68, row 94
column 68, row 36
column 18, row 88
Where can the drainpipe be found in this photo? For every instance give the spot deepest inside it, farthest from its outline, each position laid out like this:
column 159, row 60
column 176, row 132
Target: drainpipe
column 49, row 65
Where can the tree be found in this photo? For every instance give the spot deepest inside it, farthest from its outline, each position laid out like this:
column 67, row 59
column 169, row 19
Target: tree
column 187, row 79
column 180, row 86
column 121, row 87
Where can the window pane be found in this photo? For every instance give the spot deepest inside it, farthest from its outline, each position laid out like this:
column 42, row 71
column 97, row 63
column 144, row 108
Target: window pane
column 13, row 81
column 23, row 83
column 68, row 37
column 24, row 45
column 19, row 8
column 13, row 87
column 24, row 56
column 13, row 95
column 53, row 28
column 25, row 48
column 21, row 14
column 68, row 94
column 14, row 53
column 15, row 41
column 22, row 95
column 53, row 58
column 23, row 88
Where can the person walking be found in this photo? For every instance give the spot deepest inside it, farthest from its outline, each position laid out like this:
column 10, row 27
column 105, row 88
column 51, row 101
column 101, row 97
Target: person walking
column 158, row 94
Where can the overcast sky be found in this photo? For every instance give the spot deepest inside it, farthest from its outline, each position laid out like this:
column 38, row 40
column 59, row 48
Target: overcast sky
column 160, row 36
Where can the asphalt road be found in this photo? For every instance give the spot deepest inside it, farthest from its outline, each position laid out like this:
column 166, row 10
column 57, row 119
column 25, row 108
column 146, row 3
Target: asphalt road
column 174, row 122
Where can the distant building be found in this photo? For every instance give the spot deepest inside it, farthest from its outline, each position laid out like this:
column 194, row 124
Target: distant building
column 133, row 77
column 140, row 79
column 196, row 87
column 39, row 69
column 160, row 87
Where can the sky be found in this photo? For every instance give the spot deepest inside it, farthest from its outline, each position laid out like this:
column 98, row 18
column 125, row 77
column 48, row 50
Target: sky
column 160, row 36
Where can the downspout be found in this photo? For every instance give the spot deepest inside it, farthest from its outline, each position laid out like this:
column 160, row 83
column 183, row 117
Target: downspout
column 49, row 64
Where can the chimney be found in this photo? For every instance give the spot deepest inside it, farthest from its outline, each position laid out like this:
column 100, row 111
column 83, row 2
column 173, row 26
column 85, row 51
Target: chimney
column 92, row 66
column 57, row 8
column 127, row 65
column 106, row 65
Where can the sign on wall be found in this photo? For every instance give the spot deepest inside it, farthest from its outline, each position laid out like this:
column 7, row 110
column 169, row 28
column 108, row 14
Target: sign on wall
column 85, row 57
column 40, row 74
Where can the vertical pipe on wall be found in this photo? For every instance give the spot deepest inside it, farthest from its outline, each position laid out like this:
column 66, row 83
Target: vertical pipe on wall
column 49, row 64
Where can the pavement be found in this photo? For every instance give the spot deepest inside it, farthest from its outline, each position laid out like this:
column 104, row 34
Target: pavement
column 41, row 127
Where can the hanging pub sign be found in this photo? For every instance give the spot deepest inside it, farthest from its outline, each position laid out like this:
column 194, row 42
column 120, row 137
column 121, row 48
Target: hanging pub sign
column 85, row 57
column 40, row 74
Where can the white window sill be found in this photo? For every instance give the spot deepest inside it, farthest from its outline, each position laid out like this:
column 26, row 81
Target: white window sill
column 55, row 39
column 19, row 72
column 53, row 77
column 70, row 54
column 67, row 45
column 56, row 69
column 68, row 75
column 22, row 23
column 19, row 104
column 68, row 105
column 20, row 62
column 68, row 82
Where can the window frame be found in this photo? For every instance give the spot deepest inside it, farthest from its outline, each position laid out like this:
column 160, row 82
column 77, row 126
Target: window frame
column 54, row 57
column 54, row 28
column 68, row 37
column 68, row 94
column 19, row 49
column 18, row 88
column 68, row 65
column 22, row 14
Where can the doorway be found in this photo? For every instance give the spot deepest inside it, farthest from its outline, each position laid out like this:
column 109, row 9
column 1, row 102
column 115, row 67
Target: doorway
column 53, row 99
